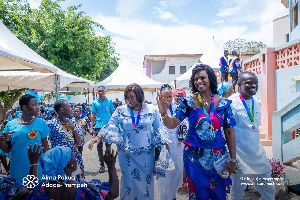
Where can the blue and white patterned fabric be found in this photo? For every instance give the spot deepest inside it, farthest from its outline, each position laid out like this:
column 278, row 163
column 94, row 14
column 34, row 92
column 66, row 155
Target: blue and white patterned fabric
column 136, row 150
column 204, row 144
column 83, row 123
column 59, row 136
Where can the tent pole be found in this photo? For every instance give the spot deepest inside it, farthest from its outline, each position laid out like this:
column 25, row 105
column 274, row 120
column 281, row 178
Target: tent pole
column 93, row 94
column 56, row 82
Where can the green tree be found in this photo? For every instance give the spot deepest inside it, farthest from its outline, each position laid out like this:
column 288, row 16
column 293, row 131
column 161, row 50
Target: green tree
column 65, row 38
column 7, row 99
column 242, row 46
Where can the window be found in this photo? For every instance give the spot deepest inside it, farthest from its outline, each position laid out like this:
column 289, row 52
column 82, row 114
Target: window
column 182, row 69
column 295, row 15
column 171, row 69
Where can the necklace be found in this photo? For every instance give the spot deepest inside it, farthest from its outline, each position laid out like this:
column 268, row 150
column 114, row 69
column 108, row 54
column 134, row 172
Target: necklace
column 251, row 116
column 135, row 124
column 209, row 116
column 26, row 122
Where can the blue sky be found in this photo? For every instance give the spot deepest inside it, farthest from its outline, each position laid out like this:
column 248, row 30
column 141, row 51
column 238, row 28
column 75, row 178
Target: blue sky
column 143, row 27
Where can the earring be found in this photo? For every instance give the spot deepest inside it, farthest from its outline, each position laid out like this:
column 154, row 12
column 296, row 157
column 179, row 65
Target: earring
column 70, row 163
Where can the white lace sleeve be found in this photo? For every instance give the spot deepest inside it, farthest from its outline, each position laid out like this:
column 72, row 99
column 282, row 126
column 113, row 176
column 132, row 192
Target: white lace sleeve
column 160, row 132
column 112, row 131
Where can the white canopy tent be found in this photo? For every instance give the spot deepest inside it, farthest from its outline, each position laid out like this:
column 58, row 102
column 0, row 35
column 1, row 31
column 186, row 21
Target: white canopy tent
column 18, row 61
column 211, row 57
column 11, row 80
column 126, row 74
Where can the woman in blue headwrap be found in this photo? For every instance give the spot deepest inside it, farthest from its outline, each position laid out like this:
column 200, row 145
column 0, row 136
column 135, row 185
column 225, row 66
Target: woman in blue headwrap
column 58, row 164
column 225, row 89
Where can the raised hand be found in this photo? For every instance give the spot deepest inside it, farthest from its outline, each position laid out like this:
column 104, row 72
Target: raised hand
column 35, row 153
column 161, row 103
column 6, row 136
column 109, row 158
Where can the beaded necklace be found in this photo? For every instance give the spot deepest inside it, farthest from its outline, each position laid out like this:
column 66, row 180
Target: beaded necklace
column 209, row 116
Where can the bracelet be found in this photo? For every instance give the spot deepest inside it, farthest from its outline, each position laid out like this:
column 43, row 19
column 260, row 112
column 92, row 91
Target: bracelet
column 31, row 165
column 164, row 115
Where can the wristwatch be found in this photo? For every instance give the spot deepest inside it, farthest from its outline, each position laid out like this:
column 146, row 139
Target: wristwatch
column 232, row 160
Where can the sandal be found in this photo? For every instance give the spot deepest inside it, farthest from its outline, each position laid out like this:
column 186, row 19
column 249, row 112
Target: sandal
column 184, row 186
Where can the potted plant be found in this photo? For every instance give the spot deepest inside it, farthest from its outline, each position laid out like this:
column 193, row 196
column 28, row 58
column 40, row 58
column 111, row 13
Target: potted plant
column 277, row 173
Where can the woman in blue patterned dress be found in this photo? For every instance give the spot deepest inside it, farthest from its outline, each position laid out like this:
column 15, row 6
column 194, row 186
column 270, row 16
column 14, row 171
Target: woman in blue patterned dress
column 141, row 131
column 64, row 131
column 83, row 125
column 24, row 131
column 205, row 142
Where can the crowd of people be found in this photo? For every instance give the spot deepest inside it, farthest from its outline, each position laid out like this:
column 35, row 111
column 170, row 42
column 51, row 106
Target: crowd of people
column 205, row 142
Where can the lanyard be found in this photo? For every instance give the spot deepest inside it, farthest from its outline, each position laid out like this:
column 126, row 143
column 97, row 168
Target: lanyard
column 251, row 117
column 171, row 110
column 137, row 118
column 209, row 116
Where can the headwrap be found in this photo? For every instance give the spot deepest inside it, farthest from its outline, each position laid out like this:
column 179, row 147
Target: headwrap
column 223, row 88
column 35, row 94
column 55, row 160
column 179, row 91
column 63, row 97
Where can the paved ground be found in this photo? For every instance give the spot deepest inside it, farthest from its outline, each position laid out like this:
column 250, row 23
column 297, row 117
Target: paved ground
column 92, row 165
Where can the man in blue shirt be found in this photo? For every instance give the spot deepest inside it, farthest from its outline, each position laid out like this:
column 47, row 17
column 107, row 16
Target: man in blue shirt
column 234, row 67
column 102, row 109
column 224, row 66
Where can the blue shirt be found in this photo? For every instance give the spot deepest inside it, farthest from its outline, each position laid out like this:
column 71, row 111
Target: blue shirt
column 102, row 110
column 223, row 64
column 19, row 163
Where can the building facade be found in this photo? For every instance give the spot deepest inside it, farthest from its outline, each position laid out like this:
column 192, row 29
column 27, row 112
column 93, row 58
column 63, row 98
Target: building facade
column 165, row 68
column 281, row 30
column 294, row 14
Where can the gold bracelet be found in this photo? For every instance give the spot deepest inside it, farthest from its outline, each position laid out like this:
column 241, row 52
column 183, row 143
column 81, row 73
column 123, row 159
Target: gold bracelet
column 164, row 115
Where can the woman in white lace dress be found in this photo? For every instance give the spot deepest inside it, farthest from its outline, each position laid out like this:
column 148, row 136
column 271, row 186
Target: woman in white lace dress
column 167, row 186
column 141, row 130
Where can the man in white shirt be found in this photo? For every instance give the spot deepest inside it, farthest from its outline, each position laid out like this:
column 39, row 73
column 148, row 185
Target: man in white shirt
column 252, row 161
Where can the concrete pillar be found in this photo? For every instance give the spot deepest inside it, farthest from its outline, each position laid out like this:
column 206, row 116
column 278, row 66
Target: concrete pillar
column 148, row 68
column 268, row 98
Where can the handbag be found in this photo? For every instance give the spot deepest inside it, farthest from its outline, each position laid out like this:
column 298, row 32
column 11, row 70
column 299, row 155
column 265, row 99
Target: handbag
column 220, row 164
column 156, row 153
column 182, row 131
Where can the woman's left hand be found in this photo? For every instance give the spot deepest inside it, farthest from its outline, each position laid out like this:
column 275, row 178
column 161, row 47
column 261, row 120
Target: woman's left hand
column 69, row 125
column 230, row 167
column 35, row 153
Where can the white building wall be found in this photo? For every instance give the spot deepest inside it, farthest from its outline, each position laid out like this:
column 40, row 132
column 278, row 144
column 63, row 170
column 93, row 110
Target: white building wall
column 165, row 77
column 295, row 34
column 281, row 27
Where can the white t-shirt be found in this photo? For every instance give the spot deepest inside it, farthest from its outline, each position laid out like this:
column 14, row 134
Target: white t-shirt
column 251, row 156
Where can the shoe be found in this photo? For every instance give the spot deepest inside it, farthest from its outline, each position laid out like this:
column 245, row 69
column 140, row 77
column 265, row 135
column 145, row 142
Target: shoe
column 102, row 169
column 184, row 186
